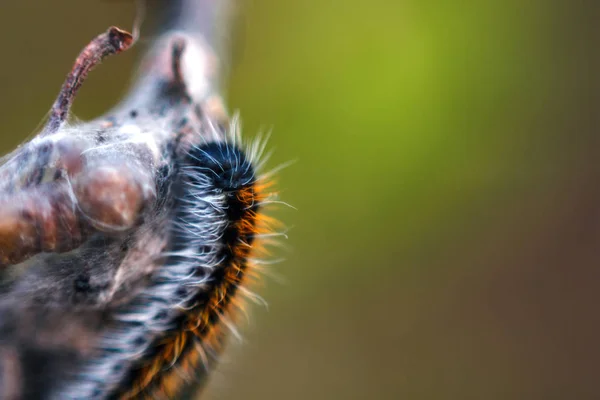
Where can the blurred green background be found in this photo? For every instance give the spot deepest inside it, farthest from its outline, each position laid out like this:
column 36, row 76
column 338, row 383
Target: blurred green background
column 446, row 242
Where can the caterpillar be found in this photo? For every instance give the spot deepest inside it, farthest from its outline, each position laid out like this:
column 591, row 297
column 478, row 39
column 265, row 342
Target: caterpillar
column 129, row 243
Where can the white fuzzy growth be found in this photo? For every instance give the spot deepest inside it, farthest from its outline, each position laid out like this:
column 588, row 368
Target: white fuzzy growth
column 199, row 67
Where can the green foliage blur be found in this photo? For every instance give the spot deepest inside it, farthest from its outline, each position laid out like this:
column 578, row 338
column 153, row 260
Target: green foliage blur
column 445, row 240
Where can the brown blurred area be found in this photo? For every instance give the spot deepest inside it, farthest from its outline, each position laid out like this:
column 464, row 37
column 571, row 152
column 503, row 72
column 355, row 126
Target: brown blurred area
column 447, row 239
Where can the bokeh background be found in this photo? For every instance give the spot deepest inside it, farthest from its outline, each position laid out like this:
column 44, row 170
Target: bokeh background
column 446, row 243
